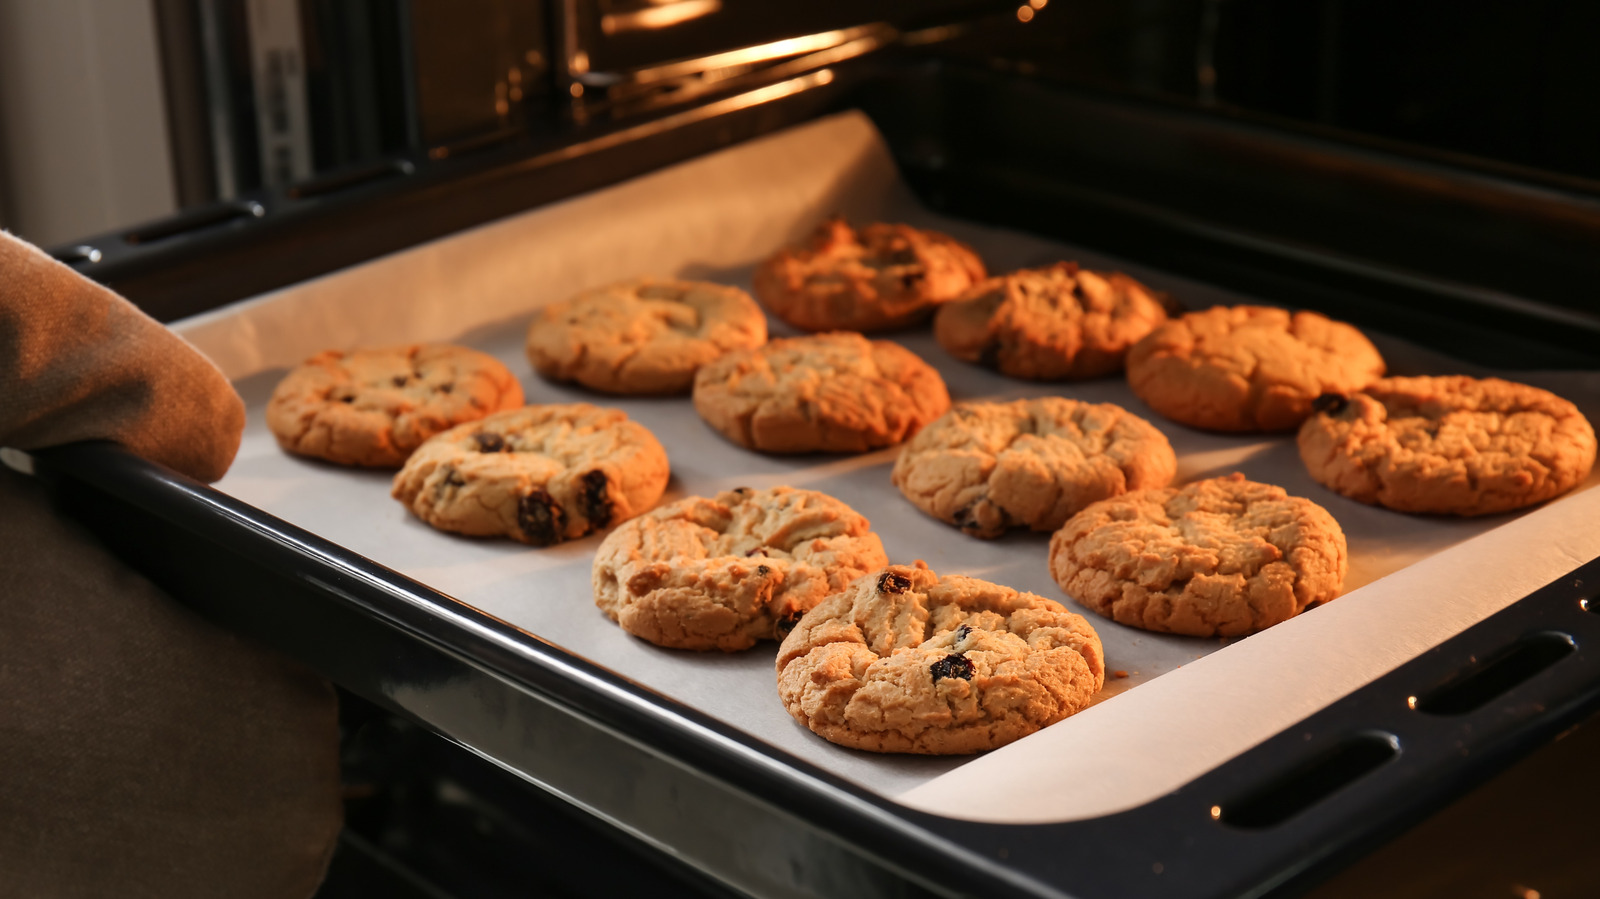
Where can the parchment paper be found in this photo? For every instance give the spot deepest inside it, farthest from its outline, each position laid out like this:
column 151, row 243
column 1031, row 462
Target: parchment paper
column 714, row 218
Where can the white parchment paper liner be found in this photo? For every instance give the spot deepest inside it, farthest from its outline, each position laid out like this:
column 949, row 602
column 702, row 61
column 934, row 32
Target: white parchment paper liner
column 1414, row 581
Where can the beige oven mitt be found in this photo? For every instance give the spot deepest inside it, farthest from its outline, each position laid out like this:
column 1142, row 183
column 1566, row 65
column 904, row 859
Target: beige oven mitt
column 143, row 751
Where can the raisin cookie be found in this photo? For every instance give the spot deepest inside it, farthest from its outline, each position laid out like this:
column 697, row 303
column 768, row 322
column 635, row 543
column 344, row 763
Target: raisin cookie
column 1451, row 445
column 647, row 336
column 1248, row 368
column 723, row 573
column 374, row 407
column 838, row 393
column 883, row 276
column 986, row 467
column 1048, row 324
column 539, row 474
column 907, row 661
column 1219, row 557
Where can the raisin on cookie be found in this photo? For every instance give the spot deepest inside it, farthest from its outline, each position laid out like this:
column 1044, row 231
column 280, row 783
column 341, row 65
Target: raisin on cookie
column 646, row 336
column 539, row 474
column 1449, row 445
column 725, row 572
column 986, row 467
column 375, row 407
column 883, row 276
column 908, row 661
column 1219, row 557
column 1248, row 368
column 1047, row 324
column 838, row 393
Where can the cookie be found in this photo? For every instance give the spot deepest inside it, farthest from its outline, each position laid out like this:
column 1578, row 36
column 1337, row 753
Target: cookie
column 539, row 474
column 986, row 467
column 1248, row 368
column 726, row 572
column 1048, row 324
column 375, row 407
column 1449, row 445
column 837, row 393
column 883, row 276
column 646, row 336
column 908, row 661
column 1219, row 557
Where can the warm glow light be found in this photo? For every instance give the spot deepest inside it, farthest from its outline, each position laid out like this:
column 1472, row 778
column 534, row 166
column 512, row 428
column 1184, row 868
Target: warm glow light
column 665, row 15
column 1411, row 702
column 1037, row 4
column 576, row 89
column 1216, row 812
column 1024, row 14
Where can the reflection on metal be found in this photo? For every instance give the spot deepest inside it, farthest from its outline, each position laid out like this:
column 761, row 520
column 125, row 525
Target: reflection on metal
column 672, row 122
column 623, row 94
column 742, row 59
column 658, row 15
column 934, row 35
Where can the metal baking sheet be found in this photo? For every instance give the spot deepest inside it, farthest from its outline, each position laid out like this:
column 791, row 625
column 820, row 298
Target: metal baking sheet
column 714, row 218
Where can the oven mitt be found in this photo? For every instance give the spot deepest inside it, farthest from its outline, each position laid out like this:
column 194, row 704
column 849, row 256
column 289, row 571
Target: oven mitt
column 143, row 751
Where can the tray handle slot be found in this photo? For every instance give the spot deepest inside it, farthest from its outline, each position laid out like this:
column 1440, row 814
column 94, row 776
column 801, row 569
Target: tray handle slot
column 1307, row 784
column 1487, row 680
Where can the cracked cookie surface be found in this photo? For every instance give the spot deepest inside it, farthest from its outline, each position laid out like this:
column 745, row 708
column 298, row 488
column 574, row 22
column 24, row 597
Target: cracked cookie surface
column 1248, row 368
column 1450, row 445
column 907, row 661
column 727, row 571
column 986, row 467
column 1219, row 557
column 882, row 276
column 646, row 336
column 836, row 393
column 374, row 407
column 539, row 474
column 1054, row 323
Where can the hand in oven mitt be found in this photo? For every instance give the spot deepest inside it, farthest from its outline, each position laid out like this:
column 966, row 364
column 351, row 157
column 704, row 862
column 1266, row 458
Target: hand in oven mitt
column 143, row 751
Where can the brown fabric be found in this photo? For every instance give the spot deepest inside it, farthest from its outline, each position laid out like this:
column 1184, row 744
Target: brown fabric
column 79, row 362
column 143, row 752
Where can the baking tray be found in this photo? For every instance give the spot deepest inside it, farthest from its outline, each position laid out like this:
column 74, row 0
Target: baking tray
column 1126, row 759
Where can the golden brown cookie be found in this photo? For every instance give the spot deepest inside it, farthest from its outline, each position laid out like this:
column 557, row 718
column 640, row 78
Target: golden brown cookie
column 646, row 336
column 539, row 474
column 1248, row 368
column 1046, row 324
column 907, row 661
column 837, row 393
column 883, row 276
column 985, row 467
column 1219, row 557
column 1449, row 445
column 374, row 407
column 723, row 573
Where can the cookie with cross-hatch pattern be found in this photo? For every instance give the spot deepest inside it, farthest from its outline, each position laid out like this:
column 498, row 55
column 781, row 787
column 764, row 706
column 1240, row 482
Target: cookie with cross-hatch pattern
column 374, row 407
column 539, row 474
column 908, row 661
column 727, row 571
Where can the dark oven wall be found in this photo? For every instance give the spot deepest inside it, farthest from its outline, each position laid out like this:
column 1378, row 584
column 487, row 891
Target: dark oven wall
column 1337, row 154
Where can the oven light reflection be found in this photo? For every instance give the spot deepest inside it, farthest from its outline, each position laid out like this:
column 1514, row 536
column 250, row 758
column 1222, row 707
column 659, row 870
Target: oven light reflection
column 661, row 15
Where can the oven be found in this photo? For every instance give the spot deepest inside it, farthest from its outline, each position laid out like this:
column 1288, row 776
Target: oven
column 1235, row 150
